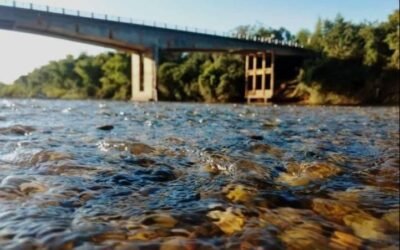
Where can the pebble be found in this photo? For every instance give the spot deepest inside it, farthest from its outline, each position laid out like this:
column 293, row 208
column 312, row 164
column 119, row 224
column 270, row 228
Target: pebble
column 134, row 147
column 106, row 127
column 17, row 130
column 333, row 210
column 366, row 226
column 32, row 187
column 177, row 243
column 392, row 217
column 239, row 193
column 307, row 235
column 160, row 220
column 46, row 156
column 341, row 240
column 266, row 149
column 229, row 221
column 303, row 174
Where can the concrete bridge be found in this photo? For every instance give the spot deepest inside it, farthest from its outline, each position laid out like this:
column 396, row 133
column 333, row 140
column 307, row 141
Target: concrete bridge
column 144, row 41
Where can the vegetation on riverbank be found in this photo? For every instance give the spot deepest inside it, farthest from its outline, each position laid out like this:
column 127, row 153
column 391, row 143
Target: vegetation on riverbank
column 354, row 63
column 357, row 63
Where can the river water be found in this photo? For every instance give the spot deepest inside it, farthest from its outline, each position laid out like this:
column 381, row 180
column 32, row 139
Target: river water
column 120, row 175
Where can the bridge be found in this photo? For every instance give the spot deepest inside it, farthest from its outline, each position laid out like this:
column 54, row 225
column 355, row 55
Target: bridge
column 145, row 41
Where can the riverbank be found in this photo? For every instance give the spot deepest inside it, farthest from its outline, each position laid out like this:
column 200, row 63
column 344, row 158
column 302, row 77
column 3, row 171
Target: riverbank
column 361, row 67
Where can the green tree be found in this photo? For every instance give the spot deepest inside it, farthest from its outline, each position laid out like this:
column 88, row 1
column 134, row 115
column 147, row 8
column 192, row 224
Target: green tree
column 115, row 82
column 303, row 37
column 393, row 39
column 341, row 39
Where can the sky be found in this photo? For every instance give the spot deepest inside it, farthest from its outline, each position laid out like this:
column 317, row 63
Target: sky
column 20, row 53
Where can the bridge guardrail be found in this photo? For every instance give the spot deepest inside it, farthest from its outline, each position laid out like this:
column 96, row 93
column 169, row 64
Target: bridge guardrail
column 64, row 11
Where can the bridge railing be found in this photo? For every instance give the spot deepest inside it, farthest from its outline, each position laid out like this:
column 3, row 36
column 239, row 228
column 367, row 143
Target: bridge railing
column 64, row 11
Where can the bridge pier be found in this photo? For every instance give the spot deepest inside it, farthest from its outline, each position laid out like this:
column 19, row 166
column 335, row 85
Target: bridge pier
column 144, row 76
column 260, row 77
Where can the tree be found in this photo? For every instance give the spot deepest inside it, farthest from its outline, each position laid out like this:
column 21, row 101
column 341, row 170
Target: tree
column 115, row 82
column 341, row 39
column 303, row 37
column 393, row 39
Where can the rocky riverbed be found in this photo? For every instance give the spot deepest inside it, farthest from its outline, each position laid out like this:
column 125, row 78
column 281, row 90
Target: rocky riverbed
column 120, row 175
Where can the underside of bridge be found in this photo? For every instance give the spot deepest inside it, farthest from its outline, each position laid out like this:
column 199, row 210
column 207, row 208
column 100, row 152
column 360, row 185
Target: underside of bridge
column 145, row 42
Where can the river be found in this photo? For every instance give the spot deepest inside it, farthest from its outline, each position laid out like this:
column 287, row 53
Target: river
column 121, row 175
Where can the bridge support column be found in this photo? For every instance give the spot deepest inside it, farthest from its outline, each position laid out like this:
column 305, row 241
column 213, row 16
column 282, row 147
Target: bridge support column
column 260, row 76
column 144, row 76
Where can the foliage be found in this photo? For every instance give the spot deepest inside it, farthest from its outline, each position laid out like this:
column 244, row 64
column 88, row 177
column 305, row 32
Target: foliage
column 103, row 76
column 353, row 63
column 202, row 77
column 259, row 30
column 393, row 39
column 356, row 60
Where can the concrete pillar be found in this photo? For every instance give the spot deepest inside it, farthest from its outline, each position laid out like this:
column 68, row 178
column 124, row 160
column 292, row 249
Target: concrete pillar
column 261, row 72
column 144, row 76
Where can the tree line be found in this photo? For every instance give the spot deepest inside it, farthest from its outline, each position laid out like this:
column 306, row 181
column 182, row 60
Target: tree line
column 353, row 62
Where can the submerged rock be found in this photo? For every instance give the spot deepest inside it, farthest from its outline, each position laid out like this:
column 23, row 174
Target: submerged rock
column 229, row 221
column 142, row 234
column 303, row 174
column 239, row 193
column 140, row 148
column 106, row 127
column 333, row 210
column 392, row 217
column 46, row 156
column 133, row 147
column 177, row 243
column 307, row 235
column 32, row 187
column 250, row 171
column 371, row 198
column 363, row 224
column 341, row 240
column 266, row 149
column 160, row 220
column 16, row 180
column 158, row 174
column 17, row 130
column 118, row 236
column 366, row 226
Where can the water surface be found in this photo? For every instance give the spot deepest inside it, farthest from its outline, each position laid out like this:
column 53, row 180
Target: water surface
column 120, row 175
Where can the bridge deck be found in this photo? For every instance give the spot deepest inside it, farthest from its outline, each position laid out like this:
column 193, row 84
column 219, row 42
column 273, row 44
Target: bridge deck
column 125, row 34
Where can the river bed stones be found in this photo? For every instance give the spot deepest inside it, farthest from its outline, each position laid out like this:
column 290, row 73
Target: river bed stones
column 239, row 193
column 341, row 240
column 160, row 220
column 314, row 180
column 370, row 198
column 307, row 235
column 229, row 221
column 133, row 147
column 17, row 130
column 366, row 226
column 106, row 127
column 303, row 174
column 46, row 156
column 266, row 149
column 363, row 224
column 333, row 210
column 392, row 218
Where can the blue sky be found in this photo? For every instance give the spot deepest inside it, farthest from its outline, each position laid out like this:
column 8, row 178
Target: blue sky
column 21, row 53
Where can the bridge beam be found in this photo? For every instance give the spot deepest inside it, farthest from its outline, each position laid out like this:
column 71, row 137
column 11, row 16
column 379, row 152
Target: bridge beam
column 144, row 75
